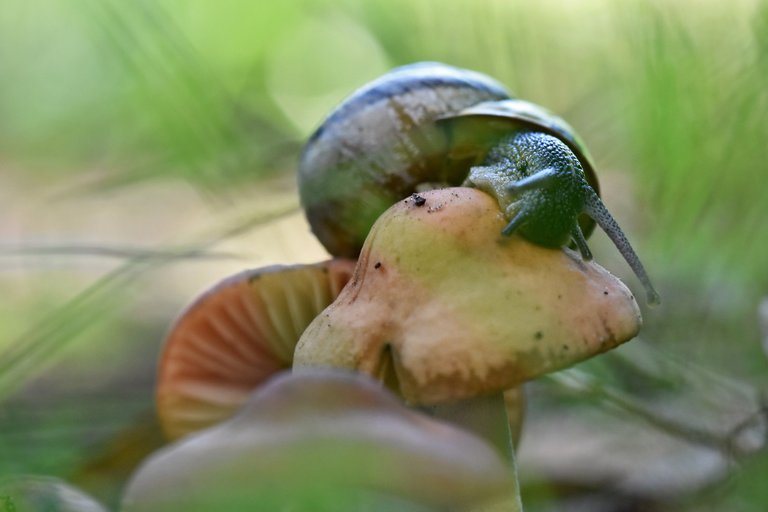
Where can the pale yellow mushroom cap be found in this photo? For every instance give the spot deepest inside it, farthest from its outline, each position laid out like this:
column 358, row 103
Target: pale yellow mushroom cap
column 443, row 307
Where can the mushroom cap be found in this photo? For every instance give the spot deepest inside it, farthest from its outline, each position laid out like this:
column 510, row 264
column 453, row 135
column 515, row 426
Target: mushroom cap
column 320, row 439
column 28, row 493
column 235, row 336
column 443, row 307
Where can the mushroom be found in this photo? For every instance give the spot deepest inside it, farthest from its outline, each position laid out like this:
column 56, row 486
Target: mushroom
column 28, row 493
column 237, row 335
column 321, row 439
column 242, row 331
column 449, row 314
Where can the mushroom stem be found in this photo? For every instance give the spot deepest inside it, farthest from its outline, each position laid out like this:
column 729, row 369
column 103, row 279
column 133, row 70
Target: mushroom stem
column 485, row 416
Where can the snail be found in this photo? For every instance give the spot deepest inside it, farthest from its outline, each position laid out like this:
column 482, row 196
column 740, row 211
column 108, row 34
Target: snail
column 429, row 125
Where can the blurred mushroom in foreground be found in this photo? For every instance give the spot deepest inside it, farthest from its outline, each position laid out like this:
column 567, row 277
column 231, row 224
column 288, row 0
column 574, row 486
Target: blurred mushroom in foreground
column 237, row 335
column 43, row 494
column 321, row 439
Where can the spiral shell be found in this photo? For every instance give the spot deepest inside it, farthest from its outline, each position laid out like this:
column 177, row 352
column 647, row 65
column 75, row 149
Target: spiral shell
column 419, row 125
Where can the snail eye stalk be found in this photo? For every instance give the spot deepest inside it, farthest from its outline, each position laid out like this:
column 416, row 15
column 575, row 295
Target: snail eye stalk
column 515, row 223
column 578, row 237
column 595, row 208
column 542, row 179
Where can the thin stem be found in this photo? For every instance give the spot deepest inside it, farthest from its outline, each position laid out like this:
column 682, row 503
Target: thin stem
column 486, row 417
column 581, row 383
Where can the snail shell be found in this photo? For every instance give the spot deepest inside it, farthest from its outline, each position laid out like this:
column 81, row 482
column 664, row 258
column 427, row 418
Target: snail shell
column 421, row 124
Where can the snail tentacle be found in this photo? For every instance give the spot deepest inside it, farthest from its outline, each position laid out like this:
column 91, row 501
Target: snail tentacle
column 595, row 208
column 517, row 221
column 541, row 180
column 578, row 237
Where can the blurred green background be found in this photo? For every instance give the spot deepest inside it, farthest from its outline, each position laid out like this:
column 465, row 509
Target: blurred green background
column 148, row 149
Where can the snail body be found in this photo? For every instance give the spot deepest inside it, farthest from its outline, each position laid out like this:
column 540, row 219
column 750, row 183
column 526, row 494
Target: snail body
column 430, row 125
column 545, row 214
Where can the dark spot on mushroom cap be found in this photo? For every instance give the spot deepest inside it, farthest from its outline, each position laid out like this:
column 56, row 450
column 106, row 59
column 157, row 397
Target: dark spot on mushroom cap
column 418, row 200
column 377, row 265
column 605, row 292
column 538, row 335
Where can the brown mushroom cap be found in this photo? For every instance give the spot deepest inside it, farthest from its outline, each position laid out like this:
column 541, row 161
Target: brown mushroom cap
column 321, row 440
column 443, row 307
column 237, row 335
